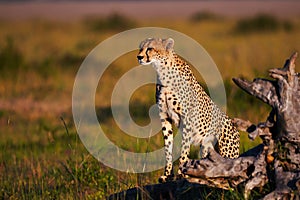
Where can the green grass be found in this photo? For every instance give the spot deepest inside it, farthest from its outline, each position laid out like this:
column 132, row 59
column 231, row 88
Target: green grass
column 114, row 22
column 262, row 23
column 42, row 157
column 204, row 16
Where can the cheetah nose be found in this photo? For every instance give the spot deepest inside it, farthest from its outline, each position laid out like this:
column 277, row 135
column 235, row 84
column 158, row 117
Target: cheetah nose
column 140, row 57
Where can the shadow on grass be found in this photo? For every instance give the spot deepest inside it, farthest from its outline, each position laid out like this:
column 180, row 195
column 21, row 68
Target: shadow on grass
column 139, row 112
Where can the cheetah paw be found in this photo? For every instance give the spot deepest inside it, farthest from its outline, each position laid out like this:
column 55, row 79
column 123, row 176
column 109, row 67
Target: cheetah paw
column 181, row 176
column 164, row 179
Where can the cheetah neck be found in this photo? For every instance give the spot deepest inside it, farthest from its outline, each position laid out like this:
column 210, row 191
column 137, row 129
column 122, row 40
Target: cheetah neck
column 173, row 67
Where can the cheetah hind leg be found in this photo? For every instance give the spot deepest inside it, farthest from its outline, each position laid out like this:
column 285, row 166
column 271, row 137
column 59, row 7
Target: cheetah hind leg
column 180, row 175
column 207, row 143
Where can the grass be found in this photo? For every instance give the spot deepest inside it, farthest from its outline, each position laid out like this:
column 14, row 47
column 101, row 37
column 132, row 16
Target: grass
column 114, row 22
column 204, row 16
column 262, row 23
column 42, row 157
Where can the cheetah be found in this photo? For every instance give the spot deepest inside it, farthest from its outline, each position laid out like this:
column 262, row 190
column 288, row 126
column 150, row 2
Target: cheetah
column 183, row 102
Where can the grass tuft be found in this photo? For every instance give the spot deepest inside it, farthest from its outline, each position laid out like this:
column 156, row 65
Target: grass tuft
column 204, row 16
column 261, row 23
column 11, row 59
column 114, row 22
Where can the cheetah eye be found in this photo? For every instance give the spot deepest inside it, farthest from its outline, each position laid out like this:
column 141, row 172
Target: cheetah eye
column 149, row 49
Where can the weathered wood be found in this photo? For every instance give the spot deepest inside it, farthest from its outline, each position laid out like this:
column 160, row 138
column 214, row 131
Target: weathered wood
column 286, row 129
column 278, row 158
column 216, row 171
column 219, row 172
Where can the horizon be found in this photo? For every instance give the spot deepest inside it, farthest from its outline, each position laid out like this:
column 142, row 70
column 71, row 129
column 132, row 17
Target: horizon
column 79, row 9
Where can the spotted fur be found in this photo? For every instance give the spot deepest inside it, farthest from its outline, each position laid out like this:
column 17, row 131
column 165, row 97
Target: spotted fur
column 182, row 101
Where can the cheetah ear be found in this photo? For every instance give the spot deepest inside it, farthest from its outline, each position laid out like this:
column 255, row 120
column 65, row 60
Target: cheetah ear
column 169, row 44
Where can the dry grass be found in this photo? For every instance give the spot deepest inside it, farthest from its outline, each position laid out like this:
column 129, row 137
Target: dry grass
column 41, row 158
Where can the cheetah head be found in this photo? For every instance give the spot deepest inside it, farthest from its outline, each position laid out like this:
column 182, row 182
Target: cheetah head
column 154, row 50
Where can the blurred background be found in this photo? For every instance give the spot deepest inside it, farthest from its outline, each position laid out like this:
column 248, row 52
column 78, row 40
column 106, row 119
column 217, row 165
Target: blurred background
column 42, row 45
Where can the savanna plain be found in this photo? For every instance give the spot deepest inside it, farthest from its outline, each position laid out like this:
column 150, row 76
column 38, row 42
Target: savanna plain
column 41, row 154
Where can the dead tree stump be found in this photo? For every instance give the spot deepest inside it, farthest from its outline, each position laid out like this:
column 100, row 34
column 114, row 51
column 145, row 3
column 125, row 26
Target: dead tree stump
column 277, row 160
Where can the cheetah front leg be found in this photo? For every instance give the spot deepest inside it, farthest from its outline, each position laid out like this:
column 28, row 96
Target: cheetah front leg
column 166, row 121
column 168, row 143
column 185, row 149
